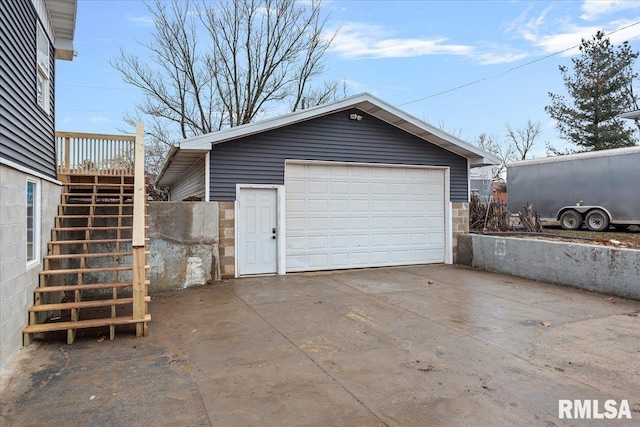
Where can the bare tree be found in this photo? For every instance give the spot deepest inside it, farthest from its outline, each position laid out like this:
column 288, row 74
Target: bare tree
column 155, row 151
column 523, row 139
column 218, row 64
column 442, row 125
column 504, row 152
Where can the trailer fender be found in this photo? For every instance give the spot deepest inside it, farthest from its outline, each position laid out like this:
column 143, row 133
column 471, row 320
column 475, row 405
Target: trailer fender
column 583, row 210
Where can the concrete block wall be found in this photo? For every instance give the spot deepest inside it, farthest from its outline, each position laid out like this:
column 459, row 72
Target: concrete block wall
column 460, row 223
column 227, row 232
column 183, row 244
column 591, row 267
column 17, row 282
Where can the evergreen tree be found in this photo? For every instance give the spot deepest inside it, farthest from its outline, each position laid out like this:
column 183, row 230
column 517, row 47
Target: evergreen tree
column 599, row 90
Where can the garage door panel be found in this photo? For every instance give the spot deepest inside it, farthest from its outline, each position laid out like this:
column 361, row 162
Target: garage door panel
column 361, row 216
column 360, row 223
column 339, row 224
column 338, row 242
column 339, row 205
column 378, row 240
column 318, row 187
column 315, row 224
column 358, row 240
column 317, row 261
column 318, row 242
column 338, row 187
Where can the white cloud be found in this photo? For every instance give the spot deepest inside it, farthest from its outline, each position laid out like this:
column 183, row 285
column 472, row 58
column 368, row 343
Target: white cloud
column 551, row 34
column 359, row 40
column 140, row 21
column 594, row 9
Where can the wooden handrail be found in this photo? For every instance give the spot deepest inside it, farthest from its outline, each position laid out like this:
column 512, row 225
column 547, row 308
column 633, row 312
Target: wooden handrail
column 96, row 154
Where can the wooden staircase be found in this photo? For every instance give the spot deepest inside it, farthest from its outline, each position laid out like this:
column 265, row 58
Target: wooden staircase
column 94, row 275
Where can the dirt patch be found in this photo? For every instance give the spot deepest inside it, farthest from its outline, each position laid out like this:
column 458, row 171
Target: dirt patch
column 629, row 238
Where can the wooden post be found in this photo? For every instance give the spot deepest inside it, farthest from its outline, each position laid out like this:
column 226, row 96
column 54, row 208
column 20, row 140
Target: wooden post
column 67, row 143
column 139, row 291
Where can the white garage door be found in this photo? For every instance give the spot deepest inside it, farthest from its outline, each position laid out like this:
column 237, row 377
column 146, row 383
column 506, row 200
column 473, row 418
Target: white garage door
column 340, row 216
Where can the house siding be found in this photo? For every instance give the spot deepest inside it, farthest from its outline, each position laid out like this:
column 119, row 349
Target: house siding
column 26, row 130
column 191, row 184
column 260, row 159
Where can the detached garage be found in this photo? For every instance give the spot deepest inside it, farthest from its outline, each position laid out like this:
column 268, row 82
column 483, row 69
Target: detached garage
column 352, row 184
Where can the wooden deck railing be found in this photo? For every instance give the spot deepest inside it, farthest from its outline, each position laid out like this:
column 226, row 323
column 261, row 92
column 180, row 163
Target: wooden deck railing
column 95, row 154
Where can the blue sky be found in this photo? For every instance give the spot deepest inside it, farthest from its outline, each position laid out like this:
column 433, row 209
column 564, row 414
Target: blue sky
column 403, row 52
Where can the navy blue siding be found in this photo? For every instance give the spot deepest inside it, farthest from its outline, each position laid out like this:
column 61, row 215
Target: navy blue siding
column 259, row 159
column 26, row 130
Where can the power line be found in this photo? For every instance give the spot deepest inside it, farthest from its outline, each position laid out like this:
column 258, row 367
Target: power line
column 510, row 69
column 96, row 87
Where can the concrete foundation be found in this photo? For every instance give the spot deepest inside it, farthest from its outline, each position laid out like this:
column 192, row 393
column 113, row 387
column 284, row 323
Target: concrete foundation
column 592, row 267
column 18, row 278
column 183, row 244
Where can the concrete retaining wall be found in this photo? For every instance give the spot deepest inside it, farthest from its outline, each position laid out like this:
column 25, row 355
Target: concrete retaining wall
column 183, row 244
column 592, row 267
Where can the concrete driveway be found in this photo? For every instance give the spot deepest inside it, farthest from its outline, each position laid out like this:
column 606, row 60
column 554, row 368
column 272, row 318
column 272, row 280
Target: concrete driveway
column 415, row 346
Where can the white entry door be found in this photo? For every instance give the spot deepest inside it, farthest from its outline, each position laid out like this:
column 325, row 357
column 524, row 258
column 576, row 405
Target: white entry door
column 257, row 234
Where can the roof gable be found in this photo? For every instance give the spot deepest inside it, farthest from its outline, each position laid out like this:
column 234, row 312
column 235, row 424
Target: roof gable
column 364, row 102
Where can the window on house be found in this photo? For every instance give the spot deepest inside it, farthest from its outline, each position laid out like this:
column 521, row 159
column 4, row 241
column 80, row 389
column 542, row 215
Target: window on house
column 33, row 222
column 42, row 70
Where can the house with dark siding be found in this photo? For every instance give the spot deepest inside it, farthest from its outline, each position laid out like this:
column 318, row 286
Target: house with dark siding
column 33, row 34
column 357, row 183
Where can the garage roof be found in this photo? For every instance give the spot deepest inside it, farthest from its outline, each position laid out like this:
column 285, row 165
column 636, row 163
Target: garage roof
column 183, row 155
column 631, row 115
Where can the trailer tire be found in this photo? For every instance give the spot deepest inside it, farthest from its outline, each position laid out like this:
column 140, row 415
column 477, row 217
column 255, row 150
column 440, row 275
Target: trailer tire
column 571, row 220
column 597, row 220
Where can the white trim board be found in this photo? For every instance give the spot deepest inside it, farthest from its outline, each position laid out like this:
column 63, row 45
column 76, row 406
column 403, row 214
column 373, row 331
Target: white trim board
column 28, row 171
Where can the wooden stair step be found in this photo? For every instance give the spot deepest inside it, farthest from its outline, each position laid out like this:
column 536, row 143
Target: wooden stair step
column 79, row 241
column 81, row 324
column 97, row 205
column 91, row 255
column 88, row 270
column 93, row 216
column 83, row 304
column 93, row 194
column 108, row 185
column 94, row 227
column 93, row 286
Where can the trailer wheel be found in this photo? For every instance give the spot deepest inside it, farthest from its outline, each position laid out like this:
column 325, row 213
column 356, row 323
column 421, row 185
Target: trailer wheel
column 571, row 220
column 597, row 220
